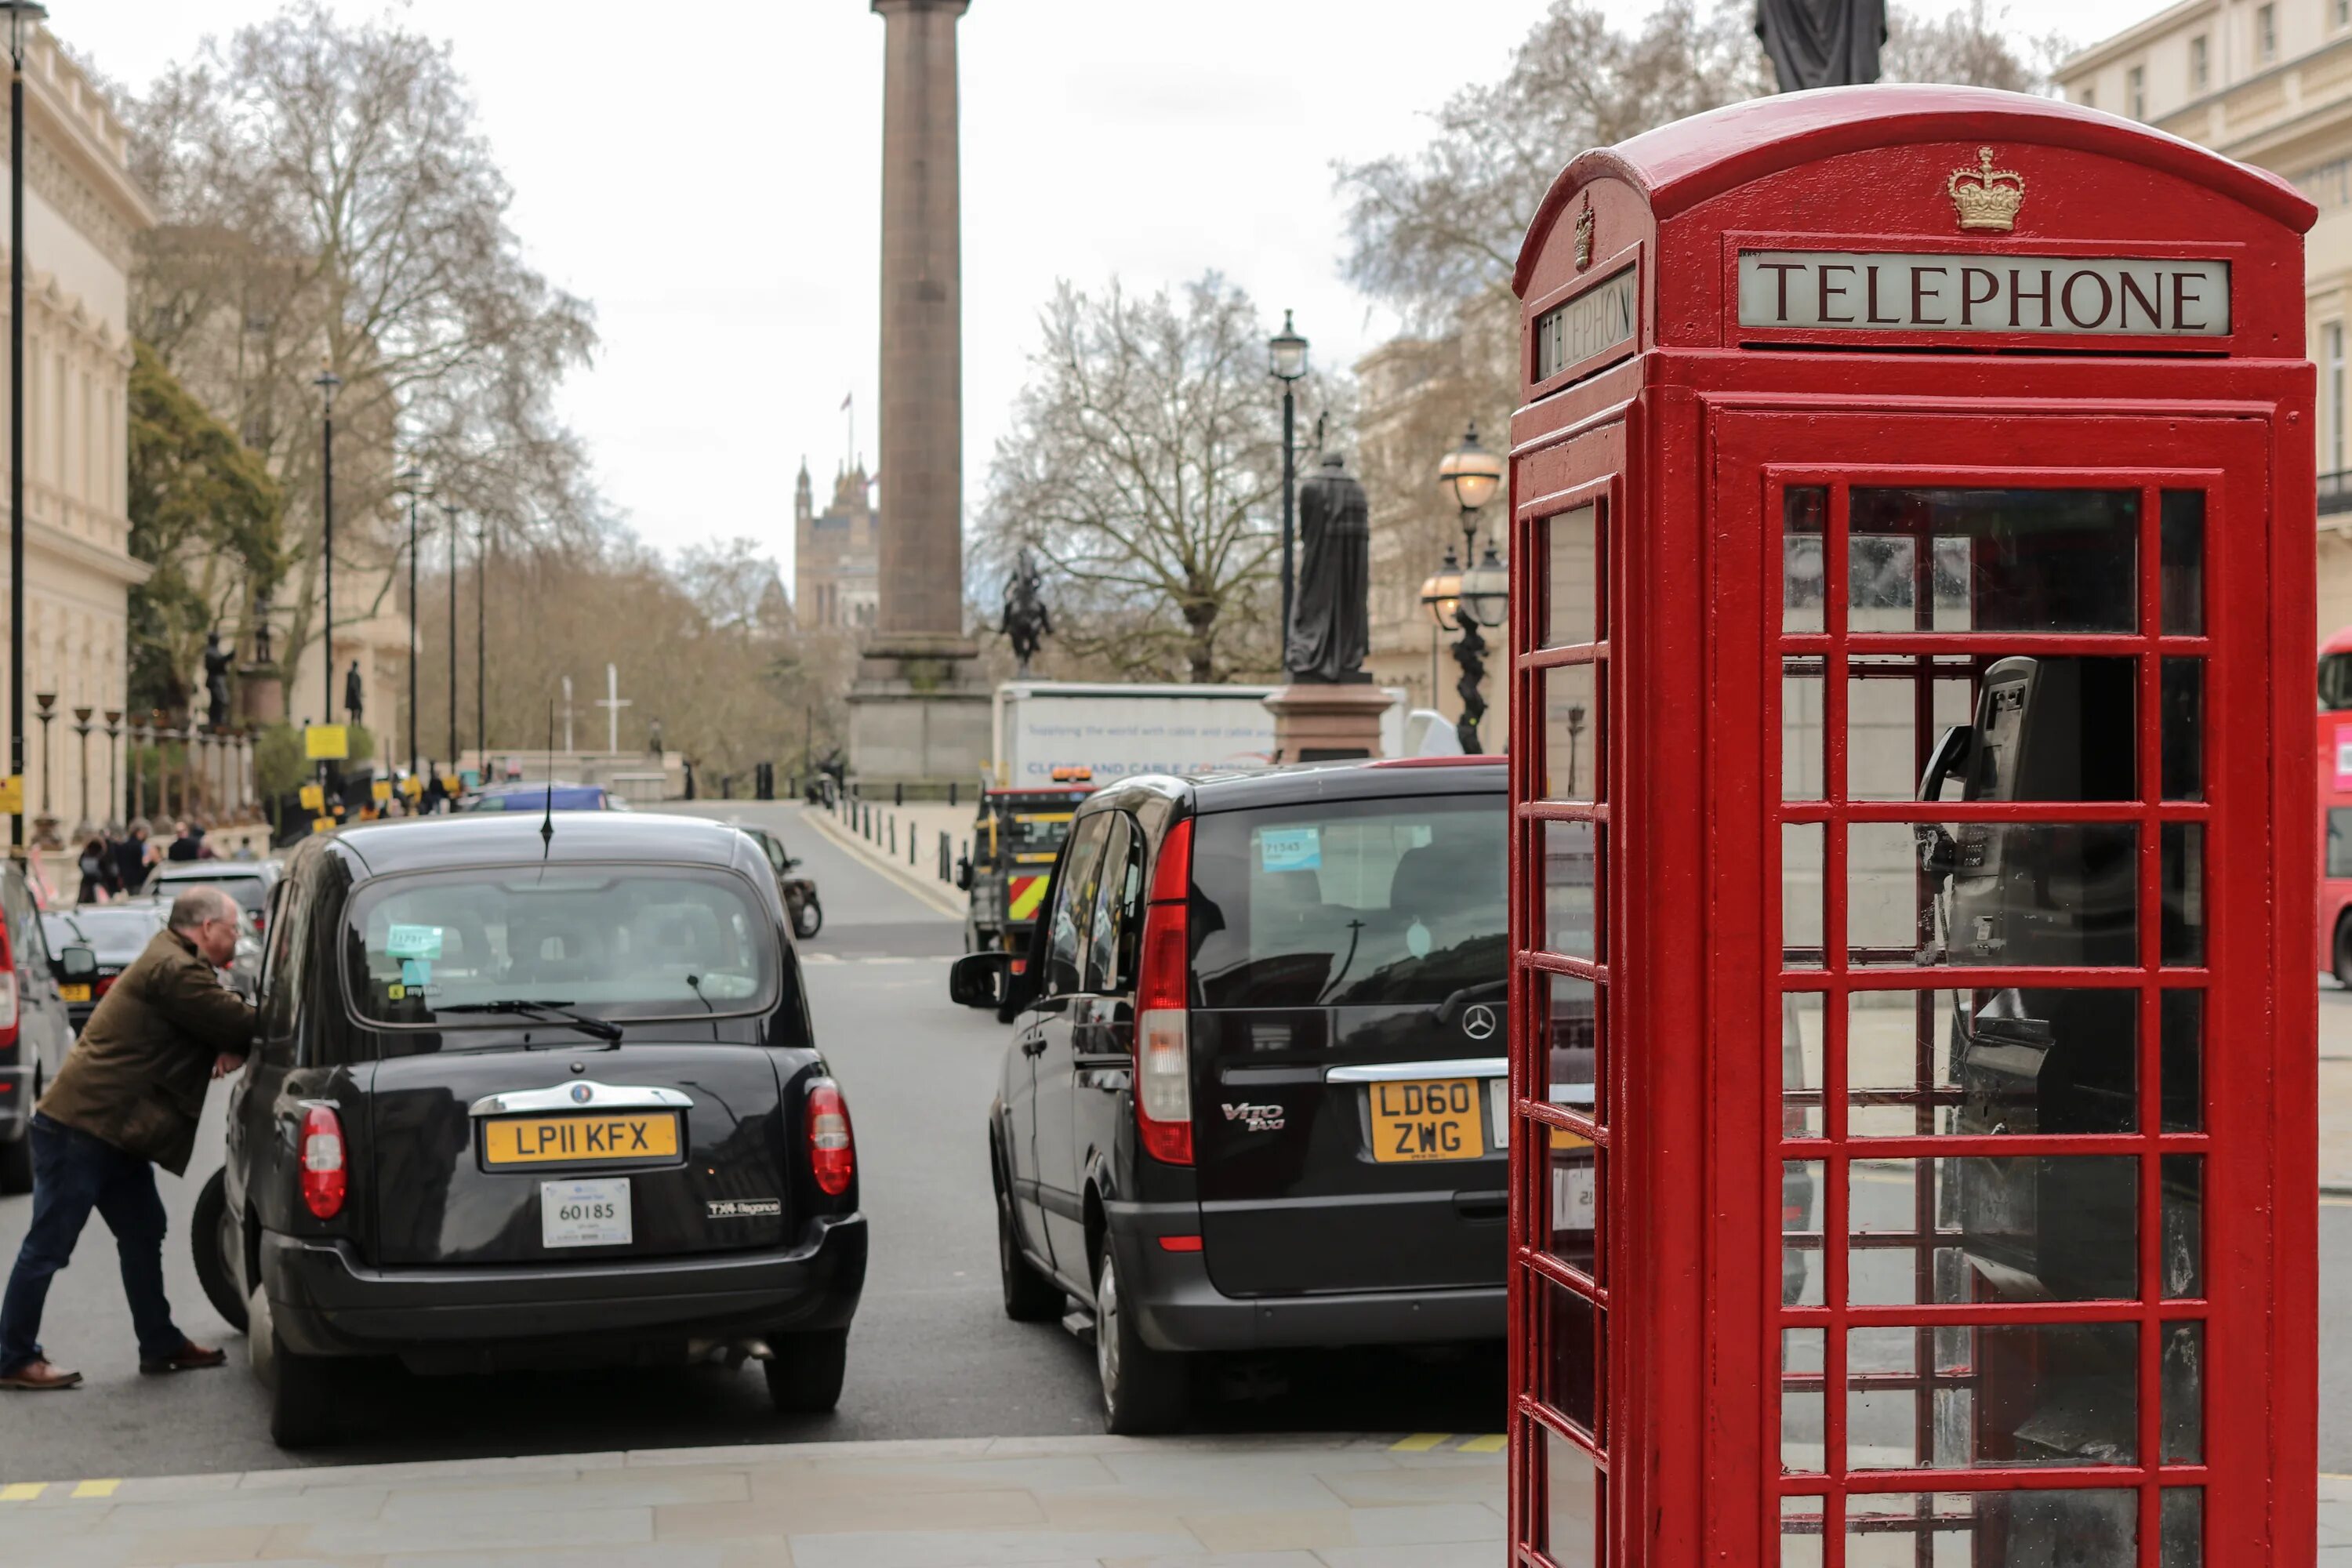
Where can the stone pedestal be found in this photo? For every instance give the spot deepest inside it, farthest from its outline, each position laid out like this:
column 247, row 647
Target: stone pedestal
column 1317, row 723
column 918, row 717
column 260, row 694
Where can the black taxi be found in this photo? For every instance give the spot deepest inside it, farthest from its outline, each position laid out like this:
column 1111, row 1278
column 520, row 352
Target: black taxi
column 533, row 1092
column 1255, row 1095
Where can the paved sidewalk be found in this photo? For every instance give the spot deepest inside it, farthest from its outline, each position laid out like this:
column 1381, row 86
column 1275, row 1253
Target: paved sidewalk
column 1039, row 1503
column 905, row 842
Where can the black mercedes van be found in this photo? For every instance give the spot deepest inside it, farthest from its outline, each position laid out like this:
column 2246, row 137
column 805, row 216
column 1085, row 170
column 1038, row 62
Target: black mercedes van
column 1256, row 1092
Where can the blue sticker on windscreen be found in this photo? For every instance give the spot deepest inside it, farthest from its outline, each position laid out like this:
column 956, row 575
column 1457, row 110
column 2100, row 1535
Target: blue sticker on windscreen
column 413, row 942
column 416, row 972
column 1290, row 848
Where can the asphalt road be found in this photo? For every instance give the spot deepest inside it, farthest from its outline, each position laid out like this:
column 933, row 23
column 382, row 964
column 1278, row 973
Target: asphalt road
column 932, row 1353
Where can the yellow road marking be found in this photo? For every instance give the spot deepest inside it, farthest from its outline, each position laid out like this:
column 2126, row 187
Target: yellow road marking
column 96, row 1489
column 1419, row 1443
column 2329, row 1202
column 22, row 1492
column 1491, row 1443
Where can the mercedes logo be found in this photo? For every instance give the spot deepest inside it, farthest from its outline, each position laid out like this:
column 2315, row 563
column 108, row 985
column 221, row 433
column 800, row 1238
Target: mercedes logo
column 581, row 1094
column 1478, row 1022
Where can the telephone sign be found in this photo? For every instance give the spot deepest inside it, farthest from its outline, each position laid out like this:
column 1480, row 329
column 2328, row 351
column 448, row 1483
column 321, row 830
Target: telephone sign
column 1912, row 1026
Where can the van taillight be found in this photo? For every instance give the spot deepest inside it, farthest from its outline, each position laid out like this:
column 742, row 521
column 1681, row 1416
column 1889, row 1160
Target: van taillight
column 832, row 1149
column 323, row 1179
column 1163, row 1064
column 7, row 991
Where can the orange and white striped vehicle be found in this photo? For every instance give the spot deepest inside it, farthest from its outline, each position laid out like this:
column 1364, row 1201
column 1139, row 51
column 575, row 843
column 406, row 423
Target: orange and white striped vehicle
column 1014, row 841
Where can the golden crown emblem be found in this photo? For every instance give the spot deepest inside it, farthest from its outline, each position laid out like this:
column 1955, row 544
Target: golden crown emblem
column 1987, row 197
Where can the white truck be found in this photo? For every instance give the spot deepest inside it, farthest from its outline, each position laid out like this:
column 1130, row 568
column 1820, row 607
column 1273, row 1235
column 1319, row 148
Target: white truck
column 1114, row 731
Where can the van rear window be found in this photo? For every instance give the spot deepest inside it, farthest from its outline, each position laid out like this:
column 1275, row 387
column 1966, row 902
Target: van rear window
column 1351, row 903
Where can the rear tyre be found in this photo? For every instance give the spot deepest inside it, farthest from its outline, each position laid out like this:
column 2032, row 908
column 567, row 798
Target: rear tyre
column 804, row 1374
column 210, row 1237
column 1029, row 1296
column 808, row 918
column 2343, row 955
column 1143, row 1390
column 16, row 1166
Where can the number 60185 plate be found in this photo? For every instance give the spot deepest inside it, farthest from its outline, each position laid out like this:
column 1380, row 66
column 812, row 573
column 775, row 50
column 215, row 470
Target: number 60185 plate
column 584, row 1214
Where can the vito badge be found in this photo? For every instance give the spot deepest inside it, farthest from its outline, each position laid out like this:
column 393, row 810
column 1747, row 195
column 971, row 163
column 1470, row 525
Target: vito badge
column 1255, row 1118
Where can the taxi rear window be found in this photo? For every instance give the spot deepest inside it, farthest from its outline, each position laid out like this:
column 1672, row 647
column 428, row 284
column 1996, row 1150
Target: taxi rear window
column 1351, row 903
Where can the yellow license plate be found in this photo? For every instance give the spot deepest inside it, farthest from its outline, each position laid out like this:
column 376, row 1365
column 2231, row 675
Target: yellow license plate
column 73, row 993
column 1434, row 1118
column 609, row 1139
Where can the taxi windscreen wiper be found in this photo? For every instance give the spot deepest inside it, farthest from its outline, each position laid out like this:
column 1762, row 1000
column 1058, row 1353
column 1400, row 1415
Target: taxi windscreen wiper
column 554, row 1012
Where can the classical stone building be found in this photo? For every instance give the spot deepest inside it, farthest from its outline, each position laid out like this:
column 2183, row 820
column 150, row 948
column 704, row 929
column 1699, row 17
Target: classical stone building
column 836, row 553
column 2268, row 84
column 81, row 213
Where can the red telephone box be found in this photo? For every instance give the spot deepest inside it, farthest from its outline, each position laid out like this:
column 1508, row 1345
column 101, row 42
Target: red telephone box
column 1914, row 1024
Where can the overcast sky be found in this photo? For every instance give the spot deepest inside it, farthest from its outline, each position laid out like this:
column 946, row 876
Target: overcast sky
column 713, row 187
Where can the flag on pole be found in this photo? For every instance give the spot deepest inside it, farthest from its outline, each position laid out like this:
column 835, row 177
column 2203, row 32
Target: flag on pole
column 844, row 400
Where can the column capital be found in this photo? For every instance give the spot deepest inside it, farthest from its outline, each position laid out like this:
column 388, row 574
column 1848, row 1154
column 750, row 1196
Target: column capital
column 957, row 8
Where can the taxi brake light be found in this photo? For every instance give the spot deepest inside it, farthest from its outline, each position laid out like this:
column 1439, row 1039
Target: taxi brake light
column 1164, row 1059
column 832, row 1150
column 323, row 1177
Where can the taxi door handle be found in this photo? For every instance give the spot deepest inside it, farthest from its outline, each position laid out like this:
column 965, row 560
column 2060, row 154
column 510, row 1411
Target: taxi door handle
column 1033, row 1045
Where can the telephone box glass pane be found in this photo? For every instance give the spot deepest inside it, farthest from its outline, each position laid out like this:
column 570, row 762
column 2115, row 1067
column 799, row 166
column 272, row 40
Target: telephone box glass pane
column 2029, row 1228
column 1571, row 1502
column 1571, row 733
column 2014, row 1061
column 2183, row 1514
column 1570, row 1024
column 2183, row 738
column 1802, row 1428
column 2184, row 1061
column 1801, row 1275
column 1800, row 894
column 1804, row 585
column 1897, row 711
column 1800, row 1531
column 2183, row 1393
column 1573, row 1197
column 1993, row 1530
column 1993, row 561
column 2000, row 1395
column 1998, row 894
column 2184, row 1226
column 1572, row 598
column 1571, row 1382
column 1572, row 881
column 1804, row 721
column 2181, row 520
column 1803, row 1020
column 2183, row 876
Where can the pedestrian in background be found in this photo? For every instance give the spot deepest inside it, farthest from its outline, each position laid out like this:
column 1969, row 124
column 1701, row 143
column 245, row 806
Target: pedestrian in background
column 134, row 858
column 126, row 1101
column 100, row 883
column 182, row 845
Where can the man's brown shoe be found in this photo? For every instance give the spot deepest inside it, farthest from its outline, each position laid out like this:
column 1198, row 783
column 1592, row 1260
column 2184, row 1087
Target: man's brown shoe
column 190, row 1357
column 40, row 1377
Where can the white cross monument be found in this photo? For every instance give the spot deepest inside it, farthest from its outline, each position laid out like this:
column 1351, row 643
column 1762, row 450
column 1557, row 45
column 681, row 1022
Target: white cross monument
column 611, row 702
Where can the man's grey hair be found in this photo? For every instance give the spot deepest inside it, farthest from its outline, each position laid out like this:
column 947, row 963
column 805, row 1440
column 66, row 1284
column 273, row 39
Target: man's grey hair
column 196, row 905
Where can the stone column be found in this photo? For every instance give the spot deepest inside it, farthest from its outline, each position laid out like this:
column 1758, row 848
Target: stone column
column 917, row 716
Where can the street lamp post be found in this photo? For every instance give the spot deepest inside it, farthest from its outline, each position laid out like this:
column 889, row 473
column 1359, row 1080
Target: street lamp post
column 449, row 513
column 481, row 645
column 1463, row 596
column 82, row 727
column 48, row 701
column 327, row 381
column 21, row 14
column 114, row 761
column 1287, row 358
column 412, row 479
column 141, row 736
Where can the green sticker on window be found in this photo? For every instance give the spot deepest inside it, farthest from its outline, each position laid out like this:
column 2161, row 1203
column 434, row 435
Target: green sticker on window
column 413, row 942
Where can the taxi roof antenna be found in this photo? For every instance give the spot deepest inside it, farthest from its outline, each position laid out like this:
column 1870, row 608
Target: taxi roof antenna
column 547, row 818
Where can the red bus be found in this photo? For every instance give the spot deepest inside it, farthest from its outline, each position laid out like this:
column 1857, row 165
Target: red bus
column 2336, row 804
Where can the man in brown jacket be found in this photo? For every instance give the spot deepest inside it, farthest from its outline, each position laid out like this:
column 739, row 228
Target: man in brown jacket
column 127, row 1101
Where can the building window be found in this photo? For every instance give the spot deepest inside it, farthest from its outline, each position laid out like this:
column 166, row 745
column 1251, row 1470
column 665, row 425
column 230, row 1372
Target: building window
column 2339, row 14
column 2200, row 64
column 2090, row 99
column 2136, row 91
column 2332, row 340
column 2266, row 33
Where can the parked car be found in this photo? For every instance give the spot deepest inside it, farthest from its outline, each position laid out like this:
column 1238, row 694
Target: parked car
column 526, row 1101
column 540, row 797
column 800, row 892
column 248, row 881
column 1256, row 1095
column 34, row 1030
column 115, row 933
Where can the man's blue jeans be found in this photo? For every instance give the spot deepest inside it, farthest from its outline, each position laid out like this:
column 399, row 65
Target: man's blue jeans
column 73, row 1173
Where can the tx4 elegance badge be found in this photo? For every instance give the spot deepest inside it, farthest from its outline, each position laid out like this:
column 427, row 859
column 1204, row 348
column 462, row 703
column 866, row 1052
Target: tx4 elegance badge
column 1254, row 1118
column 745, row 1208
